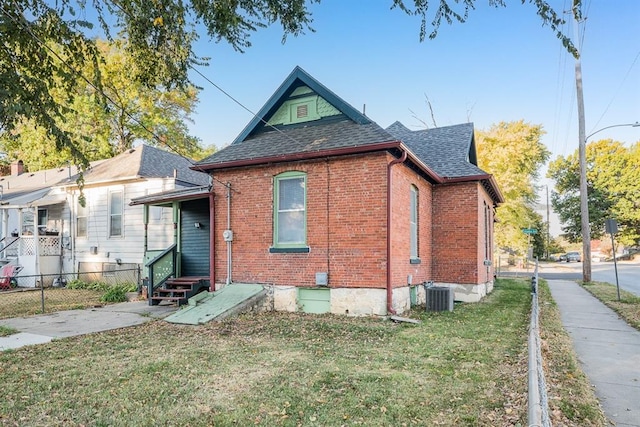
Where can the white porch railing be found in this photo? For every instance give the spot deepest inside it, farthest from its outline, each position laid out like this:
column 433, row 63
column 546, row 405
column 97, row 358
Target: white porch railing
column 47, row 246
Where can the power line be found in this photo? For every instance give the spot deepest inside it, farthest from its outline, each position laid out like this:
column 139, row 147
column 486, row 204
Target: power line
column 626, row 76
column 224, row 92
column 129, row 115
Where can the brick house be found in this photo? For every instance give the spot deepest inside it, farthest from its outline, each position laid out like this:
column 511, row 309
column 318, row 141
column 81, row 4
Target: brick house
column 333, row 213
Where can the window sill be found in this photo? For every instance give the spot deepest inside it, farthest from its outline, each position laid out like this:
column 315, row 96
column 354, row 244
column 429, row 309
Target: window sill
column 415, row 261
column 299, row 250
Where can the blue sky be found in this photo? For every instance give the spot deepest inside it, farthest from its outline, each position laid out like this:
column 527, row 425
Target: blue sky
column 501, row 65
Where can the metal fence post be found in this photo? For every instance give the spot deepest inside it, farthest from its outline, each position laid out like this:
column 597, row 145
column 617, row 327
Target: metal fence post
column 42, row 292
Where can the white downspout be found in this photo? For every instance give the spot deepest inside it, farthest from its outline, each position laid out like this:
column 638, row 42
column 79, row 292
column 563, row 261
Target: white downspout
column 5, row 231
column 36, row 241
column 73, row 226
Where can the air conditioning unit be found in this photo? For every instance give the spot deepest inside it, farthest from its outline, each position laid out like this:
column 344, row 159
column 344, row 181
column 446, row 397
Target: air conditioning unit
column 439, row 298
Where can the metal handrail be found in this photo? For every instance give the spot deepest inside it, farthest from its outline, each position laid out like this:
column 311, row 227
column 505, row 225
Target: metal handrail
column 3, row 250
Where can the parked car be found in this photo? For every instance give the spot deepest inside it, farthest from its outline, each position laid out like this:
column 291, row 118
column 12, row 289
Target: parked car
column 573, row 256
column 562, row 258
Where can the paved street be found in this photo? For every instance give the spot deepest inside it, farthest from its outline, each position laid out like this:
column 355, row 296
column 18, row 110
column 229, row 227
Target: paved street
column 628, row 273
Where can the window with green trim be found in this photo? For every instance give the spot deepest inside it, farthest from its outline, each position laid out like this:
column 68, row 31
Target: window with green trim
column 290, row 214
column 413, row 222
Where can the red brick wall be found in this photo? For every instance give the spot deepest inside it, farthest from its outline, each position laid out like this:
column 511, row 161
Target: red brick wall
column 346, row 226
column 402, row 178
column 485, row 236
column 346, row 223
column 455, row 233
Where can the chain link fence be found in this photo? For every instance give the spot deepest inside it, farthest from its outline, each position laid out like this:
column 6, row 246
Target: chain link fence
column 29, row 295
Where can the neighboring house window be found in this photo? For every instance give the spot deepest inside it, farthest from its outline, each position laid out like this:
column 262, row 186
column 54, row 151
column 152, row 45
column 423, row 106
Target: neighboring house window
column 27, row 221
column 290, row 216
column 155, row 213
column 43, row 217
column 81, row 220
column 413, row 230
column 115, row 213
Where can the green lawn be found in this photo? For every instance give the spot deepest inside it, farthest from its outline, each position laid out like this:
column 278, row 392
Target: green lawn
column 628, row 307
column 467, row 367
column 29, row 302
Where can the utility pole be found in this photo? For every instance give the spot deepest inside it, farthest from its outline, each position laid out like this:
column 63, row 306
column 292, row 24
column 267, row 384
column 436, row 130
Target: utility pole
column 582, row 152
column 548, row 224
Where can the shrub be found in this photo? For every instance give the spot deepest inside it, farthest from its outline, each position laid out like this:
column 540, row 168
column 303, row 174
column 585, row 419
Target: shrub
column 118, row 293
column 112, row 293
column 92, row 286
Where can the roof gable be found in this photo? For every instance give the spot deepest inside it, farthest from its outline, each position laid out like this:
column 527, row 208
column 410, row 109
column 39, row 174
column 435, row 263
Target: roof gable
column 449, row 150
column 299, row 85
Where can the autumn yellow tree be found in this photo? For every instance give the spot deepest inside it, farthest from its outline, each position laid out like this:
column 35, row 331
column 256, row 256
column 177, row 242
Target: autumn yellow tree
column 514, row 154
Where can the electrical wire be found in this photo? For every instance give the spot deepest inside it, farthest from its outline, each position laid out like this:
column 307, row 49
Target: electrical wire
column 626, row 76
column 219, row 88
column 129, row 115
column 79, row 74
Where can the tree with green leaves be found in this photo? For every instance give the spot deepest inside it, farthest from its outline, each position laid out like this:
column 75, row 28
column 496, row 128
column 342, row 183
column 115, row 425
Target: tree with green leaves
column 134, row 113
column 514, row 154
column 45, row 46
column 613, row 190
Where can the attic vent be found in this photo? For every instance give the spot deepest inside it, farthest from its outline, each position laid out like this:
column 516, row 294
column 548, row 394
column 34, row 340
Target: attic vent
column 302, row 111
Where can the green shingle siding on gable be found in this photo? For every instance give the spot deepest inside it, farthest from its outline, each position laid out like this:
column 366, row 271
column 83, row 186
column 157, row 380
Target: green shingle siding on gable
column 317, row 108
column 325, row 109
column 302, row 90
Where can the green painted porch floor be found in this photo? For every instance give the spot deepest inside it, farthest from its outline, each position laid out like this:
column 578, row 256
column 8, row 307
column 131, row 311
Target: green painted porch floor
column 207, row 306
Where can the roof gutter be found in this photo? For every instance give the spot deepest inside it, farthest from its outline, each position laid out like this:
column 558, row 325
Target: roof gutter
column 322, row 154
column 483, row 177
column 200, row 192
column 389, row 284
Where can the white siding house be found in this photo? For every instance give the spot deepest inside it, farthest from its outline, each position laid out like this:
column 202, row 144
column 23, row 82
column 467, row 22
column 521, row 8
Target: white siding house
column 106, row 233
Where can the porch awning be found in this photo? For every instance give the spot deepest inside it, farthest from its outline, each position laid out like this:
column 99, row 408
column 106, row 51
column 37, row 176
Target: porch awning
column 169, row 196
column 31, row 199
column 50, row 199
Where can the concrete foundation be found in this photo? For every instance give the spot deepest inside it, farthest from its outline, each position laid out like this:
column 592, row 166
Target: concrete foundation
column 369, row 301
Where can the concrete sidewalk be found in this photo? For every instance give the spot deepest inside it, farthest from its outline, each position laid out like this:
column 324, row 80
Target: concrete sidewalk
column 44, row 328
column 607, row 347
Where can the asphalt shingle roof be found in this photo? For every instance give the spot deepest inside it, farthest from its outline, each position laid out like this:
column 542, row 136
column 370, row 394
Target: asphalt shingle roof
column 318, row 136
column 448, row 151
column 445, row 149
column 147, row 162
